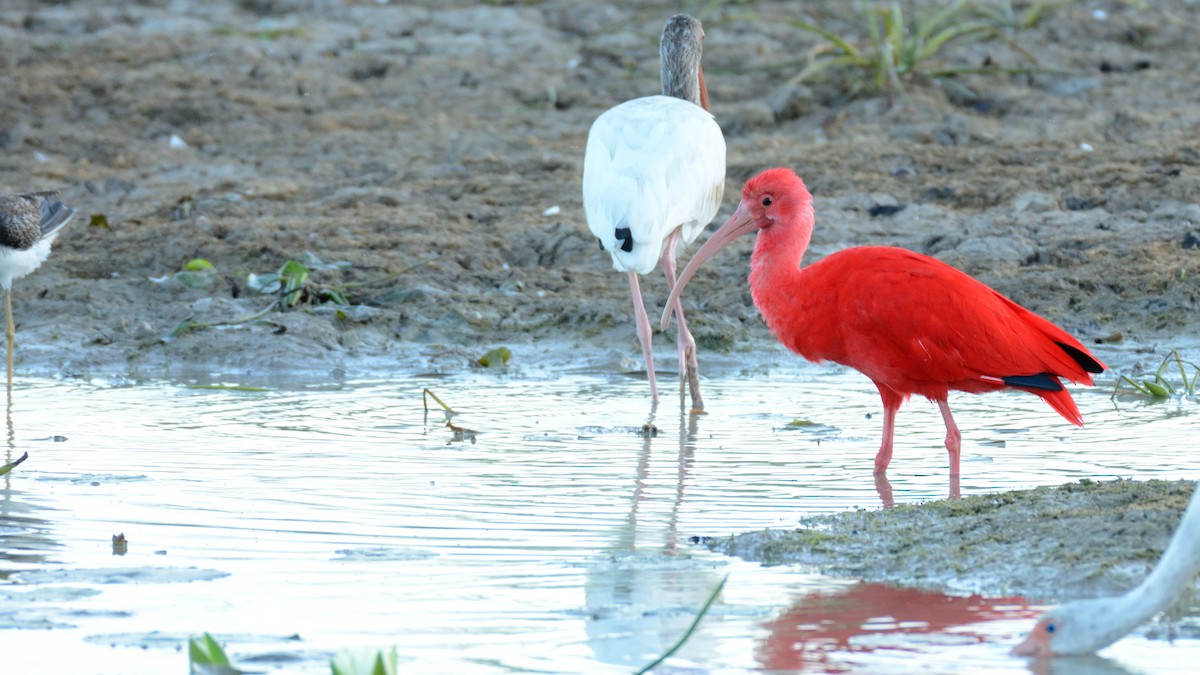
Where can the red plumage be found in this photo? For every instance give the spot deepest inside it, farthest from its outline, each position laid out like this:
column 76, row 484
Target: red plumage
column 911, row 323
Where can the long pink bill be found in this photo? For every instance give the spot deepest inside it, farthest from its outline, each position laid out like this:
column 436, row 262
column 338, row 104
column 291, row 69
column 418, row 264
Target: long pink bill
column 703, row 89
column 741, row 222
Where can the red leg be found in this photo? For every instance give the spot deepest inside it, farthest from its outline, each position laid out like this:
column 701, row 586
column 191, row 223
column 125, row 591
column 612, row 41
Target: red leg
column 643, row 332
column 689, row 368
column 891, row 403
column 953, row 438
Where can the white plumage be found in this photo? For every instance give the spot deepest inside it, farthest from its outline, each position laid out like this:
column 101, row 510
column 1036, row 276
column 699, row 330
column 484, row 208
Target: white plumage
column 652, row 165
column 653, row 176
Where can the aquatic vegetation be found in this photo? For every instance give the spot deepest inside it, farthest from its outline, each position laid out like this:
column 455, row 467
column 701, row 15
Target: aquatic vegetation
column 495, row 358
column 13, row 464
column 207, row 657
column 365, row 661
column 691, row 629
column 1158, row 386
column 293, row 283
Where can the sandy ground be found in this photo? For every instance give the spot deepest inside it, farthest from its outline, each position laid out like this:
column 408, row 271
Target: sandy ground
column 436, row 149
column 385, row 136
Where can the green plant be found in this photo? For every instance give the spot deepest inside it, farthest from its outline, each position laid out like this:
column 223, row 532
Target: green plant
column 691, row 629
column 206, row 657
column 366, row 661
column 900, row 48
column 196, row 274
column 1157, row 386
column 13, row 464
column 292, row 283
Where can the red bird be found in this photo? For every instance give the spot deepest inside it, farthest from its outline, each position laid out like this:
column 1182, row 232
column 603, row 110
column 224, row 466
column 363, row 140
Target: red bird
column 911, row 323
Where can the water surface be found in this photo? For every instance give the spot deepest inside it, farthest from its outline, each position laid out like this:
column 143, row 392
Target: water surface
column 549, row 533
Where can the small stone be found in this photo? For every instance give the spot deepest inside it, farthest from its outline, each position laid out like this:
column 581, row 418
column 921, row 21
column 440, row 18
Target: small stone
column 1191, row 240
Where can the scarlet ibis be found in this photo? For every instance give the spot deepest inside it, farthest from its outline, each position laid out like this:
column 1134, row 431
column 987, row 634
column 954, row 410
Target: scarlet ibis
column 911, row 323
column 1084, row 626
column 653, row 176
column 29, row 223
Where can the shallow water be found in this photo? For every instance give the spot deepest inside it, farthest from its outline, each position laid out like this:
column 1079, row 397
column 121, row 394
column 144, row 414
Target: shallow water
column 550, row 535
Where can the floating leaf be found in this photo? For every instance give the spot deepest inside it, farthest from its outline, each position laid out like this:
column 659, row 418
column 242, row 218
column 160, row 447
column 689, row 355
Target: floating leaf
column 797, row 423
column 496, row 358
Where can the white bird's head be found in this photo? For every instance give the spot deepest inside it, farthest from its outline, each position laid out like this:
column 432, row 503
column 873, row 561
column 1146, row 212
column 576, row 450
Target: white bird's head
column 1079, row 627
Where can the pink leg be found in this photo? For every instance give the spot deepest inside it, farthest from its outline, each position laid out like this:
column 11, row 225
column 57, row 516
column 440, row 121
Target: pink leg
column 891, row 403
column 689, row 368
column 953, row 438
column 642, row 321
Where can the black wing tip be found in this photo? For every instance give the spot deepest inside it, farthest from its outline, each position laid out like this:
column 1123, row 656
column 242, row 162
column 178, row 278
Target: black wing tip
column 1040, row 382
column 1084, row 359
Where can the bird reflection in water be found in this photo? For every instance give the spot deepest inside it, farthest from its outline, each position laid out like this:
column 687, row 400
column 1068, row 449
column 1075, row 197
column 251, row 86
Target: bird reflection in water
column 820, row 626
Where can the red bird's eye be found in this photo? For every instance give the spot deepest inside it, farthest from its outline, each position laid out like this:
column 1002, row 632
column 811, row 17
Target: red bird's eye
column 766, row 201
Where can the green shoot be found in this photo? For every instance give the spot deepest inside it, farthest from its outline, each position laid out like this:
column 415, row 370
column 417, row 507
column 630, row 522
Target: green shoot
column 12, row 465
column 206, row 657
column 691, row 629
column 365, row 662
column 1159, row 386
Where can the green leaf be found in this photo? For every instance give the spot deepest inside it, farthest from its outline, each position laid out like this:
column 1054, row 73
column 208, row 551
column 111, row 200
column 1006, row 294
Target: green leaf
column 12, row 465
column 205, row 651
column 798, row 423
column 198, row 265
column 293, row 275
column 1157, row 389
column 365, row 661
column 99, row 220
column 496, row 358
column 196, row 274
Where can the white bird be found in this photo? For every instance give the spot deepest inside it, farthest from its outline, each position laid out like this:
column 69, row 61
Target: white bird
column 653, row 176
column 29, row 223
column 1085, row 626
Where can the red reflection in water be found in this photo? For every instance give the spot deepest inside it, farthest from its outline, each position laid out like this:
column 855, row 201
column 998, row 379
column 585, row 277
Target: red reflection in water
column 820, row 625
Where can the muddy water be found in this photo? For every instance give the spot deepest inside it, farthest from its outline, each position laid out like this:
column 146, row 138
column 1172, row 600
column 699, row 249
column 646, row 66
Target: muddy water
column 549, row 533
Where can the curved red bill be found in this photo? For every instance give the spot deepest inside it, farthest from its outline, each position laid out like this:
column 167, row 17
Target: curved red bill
column 741, row 222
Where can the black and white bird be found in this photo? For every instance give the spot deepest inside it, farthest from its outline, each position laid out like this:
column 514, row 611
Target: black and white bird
column 29, row 223
column 653, row 176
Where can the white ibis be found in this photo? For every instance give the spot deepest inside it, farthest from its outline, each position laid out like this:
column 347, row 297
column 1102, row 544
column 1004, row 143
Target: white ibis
column 1084, row 626
column 28, row 225
column 653, row 176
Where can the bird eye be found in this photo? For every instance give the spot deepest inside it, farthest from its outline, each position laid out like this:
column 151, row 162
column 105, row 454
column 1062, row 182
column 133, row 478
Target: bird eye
column 1050, row 628
column 767, row 201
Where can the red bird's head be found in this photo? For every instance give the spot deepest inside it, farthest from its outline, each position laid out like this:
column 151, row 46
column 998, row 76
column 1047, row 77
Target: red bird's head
column 776, row 195
column 776, row 204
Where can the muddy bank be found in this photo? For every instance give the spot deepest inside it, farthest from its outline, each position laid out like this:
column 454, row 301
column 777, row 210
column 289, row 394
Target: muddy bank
column 436, row 149
column 1001, row 544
